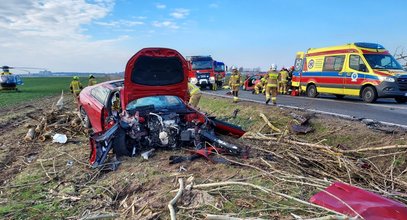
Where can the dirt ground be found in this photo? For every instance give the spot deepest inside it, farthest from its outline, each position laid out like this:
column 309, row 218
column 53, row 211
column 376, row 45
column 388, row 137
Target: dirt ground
column 44, row 180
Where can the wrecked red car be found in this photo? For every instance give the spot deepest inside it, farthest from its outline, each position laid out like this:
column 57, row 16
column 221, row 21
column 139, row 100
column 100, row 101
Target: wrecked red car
column 153, row 112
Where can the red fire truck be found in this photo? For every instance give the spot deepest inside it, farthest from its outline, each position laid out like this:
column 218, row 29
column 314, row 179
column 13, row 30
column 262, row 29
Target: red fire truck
column 201, row 71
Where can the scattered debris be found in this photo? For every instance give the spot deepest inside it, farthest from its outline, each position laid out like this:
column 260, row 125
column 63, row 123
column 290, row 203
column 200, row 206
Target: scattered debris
column 59, row 138
column 146, row 155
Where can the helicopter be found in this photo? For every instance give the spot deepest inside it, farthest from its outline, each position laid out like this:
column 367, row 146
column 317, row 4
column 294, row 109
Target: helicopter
column 10, row 81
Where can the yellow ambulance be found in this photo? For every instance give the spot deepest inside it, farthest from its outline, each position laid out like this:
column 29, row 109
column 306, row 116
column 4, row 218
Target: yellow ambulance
column 366, row 70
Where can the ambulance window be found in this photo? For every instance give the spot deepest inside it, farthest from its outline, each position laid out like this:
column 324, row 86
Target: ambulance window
column 356, row 63
column 334, row 63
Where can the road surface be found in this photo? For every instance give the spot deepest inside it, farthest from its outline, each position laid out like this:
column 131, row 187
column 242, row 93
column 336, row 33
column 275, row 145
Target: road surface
column 384, row 110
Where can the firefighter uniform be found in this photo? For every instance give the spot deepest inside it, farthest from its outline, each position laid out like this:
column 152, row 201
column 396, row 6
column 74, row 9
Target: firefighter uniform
column 259, row 87
column 92, row 81
column 234, row 83
column 282, row 81
column 195, row 94
column 218, row 80
column 271, row 87
column 75, row 86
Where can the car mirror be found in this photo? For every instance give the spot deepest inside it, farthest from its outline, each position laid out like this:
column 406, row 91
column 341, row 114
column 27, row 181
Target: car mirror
column 362, row 67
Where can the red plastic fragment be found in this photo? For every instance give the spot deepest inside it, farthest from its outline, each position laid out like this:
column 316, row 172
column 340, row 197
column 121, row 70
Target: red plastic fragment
column 367, row 204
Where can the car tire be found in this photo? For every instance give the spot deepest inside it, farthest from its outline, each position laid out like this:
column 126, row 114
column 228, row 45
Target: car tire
column 401, row 100
column 119, row 144
column 340, row 96
column 84, row 118
column 369, row 94
column 312, row 91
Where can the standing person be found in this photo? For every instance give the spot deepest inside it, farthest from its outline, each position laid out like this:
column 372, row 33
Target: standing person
column 282, row 81
column 195, row 94
column 271, row 88
column 75, row 86
column 234, row 83
column 92, row 80
column 290, row 78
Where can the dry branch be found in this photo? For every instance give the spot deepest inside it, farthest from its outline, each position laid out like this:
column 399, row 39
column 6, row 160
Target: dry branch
column 274, row 128
column 174, row 200
column 30, row 135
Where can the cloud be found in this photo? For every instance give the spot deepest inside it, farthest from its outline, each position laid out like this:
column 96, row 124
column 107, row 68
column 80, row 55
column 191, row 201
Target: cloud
column 51, row 34
column 120, row 23
column 180, row 13
column 160, row 6
column 165, row 24
column 213, row 5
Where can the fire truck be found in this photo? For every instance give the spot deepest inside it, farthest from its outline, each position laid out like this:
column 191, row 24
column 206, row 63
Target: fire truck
column 201, row 71
column 220, row 73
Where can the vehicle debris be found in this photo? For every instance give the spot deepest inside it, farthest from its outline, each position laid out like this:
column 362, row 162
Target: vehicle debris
column 356, row 202
column 59, row 138
column 146, row 155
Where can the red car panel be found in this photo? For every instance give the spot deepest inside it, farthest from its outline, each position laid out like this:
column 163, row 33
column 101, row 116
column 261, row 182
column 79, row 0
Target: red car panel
column 147, row 65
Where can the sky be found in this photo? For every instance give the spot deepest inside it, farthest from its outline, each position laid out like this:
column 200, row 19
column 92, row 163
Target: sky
column 102, row 35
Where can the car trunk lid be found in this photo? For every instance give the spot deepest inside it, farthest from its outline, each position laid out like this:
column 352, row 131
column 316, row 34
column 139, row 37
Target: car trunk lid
column 153, row 72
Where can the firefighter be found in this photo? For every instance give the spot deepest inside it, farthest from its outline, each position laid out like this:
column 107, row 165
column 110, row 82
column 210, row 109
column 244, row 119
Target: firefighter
column 259, row 87
column 234, row 83
column 116, row 104
column 218, row 80
column 92, row 81
column 271, row 87
column 75, row 86
column 282, row 81
column 195, row 94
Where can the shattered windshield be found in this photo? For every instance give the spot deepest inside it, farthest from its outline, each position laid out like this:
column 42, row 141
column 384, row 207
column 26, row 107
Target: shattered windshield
column 220, row 68
column 382, row 61
column 202, row 64
column 159, row 103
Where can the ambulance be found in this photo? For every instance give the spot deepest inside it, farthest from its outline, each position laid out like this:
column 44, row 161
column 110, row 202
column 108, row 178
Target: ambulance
column 366, row 70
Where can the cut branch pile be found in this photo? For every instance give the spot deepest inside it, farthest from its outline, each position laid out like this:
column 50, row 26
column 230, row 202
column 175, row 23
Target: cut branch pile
column 373, row 168
column 56, row 120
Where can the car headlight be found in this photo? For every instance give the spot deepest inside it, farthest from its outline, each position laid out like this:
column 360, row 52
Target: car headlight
column 387, row 78
column 211, row 79
column 193, row 80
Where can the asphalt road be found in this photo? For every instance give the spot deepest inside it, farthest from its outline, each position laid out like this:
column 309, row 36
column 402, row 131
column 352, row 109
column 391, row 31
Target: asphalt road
column 384, row 110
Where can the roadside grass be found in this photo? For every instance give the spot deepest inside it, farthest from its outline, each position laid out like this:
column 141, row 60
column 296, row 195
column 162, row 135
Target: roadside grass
column 37, row 88
column 152, row 180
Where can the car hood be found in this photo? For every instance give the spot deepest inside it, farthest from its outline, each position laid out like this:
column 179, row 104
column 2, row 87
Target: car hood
column 153, row 72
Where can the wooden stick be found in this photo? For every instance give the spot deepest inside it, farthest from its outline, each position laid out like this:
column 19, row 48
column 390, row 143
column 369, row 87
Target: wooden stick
column 30, row 135
column 374, row 149
column 174, row 200
column 274, row 128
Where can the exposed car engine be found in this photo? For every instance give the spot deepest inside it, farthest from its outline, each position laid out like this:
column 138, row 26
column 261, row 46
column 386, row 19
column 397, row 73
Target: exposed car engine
column 141, row 130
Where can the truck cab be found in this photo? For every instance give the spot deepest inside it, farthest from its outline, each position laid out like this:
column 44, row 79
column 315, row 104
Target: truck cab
column 220, row 72
column 201, row 71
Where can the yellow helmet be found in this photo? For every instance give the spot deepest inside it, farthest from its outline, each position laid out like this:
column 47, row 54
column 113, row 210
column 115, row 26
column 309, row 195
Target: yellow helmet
column 76, row 78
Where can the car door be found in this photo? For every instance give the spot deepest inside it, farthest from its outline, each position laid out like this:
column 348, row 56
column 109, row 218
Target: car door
column 354, row 75
column 333, row 75
column 95, row 107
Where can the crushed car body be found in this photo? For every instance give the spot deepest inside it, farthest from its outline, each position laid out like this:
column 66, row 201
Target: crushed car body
column 153, row 111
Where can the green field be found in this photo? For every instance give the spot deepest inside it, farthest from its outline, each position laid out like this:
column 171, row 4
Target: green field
column 36, row 88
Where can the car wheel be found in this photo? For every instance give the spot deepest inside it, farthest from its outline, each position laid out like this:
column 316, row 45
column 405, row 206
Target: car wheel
column 369, row 94
column 340, row 96
column 312, row 91
column 401, row 100
column 85, row 118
